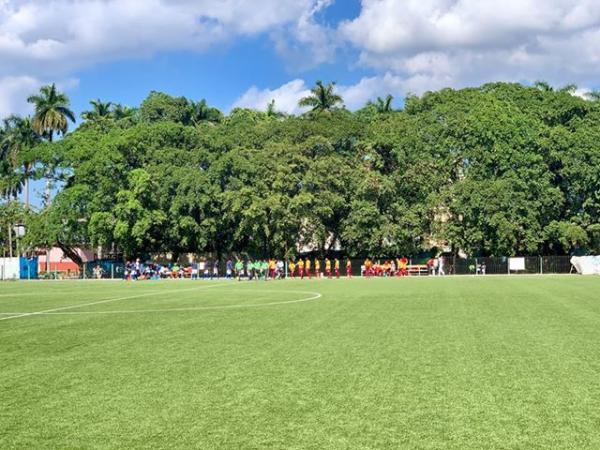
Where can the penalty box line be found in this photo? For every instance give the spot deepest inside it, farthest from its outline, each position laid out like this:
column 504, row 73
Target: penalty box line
column 110, row 300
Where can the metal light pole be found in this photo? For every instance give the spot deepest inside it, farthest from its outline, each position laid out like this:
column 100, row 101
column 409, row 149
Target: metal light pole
column 10, row 253
column 19, row 233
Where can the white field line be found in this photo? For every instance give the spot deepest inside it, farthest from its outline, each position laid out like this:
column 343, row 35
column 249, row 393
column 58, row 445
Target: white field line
column 314, row 296
column 25, row 294
column 110, row 300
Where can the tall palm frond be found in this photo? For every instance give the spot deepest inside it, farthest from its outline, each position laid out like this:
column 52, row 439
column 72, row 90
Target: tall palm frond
column 16, row 141
column 123, row 112
column 99, row 110
column 384, row 105
column 594, row 96
column 323, row 98
column 52, row 112
column 201, row 112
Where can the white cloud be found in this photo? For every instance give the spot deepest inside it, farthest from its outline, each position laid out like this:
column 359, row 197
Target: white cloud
column 411, row 45
column 307, row 44
column 435, row 43
column 12, row 92
column 62, row 35
column 50, row 39
column 286, row 97
column 369, row 88
column 355, row 96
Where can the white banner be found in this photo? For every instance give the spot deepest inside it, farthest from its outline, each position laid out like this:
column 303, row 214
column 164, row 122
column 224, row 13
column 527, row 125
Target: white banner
column 516, row 264
column 9, row 269
column 586, row 265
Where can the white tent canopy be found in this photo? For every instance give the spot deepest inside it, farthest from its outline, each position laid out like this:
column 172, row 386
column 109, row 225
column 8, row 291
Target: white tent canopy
column 586, row 265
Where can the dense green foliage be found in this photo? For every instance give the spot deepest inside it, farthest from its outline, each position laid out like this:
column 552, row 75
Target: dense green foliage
column 431, row 363
column 503, row 169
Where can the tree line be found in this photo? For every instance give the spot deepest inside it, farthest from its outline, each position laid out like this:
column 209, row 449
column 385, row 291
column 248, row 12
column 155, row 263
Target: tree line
column 498, row 170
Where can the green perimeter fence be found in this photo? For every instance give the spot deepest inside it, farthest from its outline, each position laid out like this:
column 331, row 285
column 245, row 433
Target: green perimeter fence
column 452, row 266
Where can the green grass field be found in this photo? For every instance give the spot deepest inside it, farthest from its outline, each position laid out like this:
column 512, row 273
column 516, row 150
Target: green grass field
column 460, row 363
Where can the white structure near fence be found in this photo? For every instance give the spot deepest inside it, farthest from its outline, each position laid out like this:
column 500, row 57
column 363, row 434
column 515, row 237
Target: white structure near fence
column 9, row 269
column 586, row 265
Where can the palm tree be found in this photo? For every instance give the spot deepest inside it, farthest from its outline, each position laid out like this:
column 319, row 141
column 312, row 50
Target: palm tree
column 543, row 86
column 201, row 112
column 546, row 87
column 100, row 110
column 384, row 105
column 52, row 113
column 123, row 112
column 568, row 89
column 11, row 183
column 322, row 98
column 272, row 111
column 593, row 96
column 19, row 137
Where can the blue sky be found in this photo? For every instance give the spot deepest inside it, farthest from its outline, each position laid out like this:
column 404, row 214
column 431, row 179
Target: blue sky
column 220, row 74
column 245, row 53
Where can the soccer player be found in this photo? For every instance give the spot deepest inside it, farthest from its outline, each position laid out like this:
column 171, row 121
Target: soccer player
column 229, row 269
column 387, row 267
column 272, row 268
column 336, row 266
column 404, row 266
column 317, row 268
column 307, row 268
column 368, row 267
column 215, row 272
column 239, row 269
column 348, row 268
column 250, row 270
column 292, row 268
column 328, row 267
column 301, row 268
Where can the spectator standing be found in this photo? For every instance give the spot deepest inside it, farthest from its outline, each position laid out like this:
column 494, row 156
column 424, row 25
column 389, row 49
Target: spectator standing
column 441, row 268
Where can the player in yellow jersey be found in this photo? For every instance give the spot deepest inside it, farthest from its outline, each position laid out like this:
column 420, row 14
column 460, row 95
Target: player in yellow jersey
column 317, row 268
column 328, row 267
column 292, row 269
column 307, row 265
column 336, row 267
column 368, row 268
column 348, row 268
column 301, row 268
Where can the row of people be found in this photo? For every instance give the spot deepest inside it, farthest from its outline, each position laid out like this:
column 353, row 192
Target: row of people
column 273, row 269
column 304, row 268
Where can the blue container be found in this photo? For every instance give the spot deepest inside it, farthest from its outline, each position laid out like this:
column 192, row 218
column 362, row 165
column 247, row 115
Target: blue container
column 29, row 268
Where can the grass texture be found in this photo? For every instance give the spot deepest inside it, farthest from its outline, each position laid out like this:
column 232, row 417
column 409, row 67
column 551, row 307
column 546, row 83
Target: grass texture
column 430, row 363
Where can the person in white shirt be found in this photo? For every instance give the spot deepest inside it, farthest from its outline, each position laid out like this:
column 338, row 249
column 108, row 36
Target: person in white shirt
column 441, row 270
column 202, row 267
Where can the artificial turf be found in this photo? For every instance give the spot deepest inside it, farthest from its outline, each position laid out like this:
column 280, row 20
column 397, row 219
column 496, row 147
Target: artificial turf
column 460, row 363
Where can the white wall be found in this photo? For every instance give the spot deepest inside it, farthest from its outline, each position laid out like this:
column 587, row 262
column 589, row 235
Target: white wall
column 9, row 268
